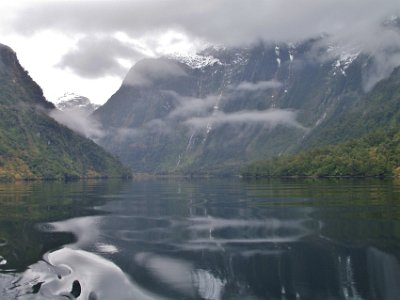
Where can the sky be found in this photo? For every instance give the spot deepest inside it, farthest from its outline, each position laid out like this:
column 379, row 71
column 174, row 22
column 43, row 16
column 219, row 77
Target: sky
column 87, row 47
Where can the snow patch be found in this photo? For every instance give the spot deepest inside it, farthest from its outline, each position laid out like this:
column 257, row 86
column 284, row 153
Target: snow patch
column 196, row 61
column 240, row 59
column 74, row 102
column 344, row 59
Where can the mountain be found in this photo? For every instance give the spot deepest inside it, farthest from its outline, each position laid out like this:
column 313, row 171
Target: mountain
column 226, row 107
column 364, row 140
column 35, row 146
column 376, row 109
column 74, row 103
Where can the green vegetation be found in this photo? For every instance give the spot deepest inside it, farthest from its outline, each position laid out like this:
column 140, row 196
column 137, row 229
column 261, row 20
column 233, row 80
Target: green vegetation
column 374, row 155
column 377, row 109
column 362, row 139
column 33, row 145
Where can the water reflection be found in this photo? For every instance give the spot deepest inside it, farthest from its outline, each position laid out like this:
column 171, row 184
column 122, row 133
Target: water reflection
column 71, row 273
column 212, row 239
column 23, row 206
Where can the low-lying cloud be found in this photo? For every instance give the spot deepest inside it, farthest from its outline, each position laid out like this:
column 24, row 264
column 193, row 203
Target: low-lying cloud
column 269, row 118
column 79, row 122
column 191, row 106
column 257, row 86
column 201, row 107
column 198, row 113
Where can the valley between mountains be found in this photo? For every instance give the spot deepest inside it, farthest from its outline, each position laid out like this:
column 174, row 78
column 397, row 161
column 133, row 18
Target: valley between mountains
column 32, row 144
column 265, row 110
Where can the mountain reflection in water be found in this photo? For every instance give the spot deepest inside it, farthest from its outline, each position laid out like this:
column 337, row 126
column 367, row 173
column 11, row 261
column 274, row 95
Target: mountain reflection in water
column 200, row 239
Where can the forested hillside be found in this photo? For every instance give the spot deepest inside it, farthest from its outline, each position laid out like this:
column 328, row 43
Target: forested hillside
column 374, row 155
column 33, row 145
column 363, row 141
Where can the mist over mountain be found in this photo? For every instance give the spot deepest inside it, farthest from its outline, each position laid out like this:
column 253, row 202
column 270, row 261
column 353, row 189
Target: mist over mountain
column 75, row 111
column 32, row 144
column 225, row 107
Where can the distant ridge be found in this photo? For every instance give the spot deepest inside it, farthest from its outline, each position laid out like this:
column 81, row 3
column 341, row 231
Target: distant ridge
column 74, row 102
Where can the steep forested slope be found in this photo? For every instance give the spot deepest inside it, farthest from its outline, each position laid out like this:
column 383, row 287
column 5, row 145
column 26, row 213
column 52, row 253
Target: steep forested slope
column 33, row 145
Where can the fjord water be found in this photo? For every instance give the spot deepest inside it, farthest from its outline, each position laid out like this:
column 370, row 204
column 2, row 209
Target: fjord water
column 200, row 239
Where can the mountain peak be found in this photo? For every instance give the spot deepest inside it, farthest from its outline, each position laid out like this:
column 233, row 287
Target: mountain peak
column 73, row 102
column 196, row 61
column 6, row 48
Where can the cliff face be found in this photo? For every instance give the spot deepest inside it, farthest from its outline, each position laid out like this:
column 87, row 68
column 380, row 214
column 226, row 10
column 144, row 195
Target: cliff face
column 33, row 145
column 225, row 107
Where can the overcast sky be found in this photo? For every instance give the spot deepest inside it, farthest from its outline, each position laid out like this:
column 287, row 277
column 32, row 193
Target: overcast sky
column 86, row 47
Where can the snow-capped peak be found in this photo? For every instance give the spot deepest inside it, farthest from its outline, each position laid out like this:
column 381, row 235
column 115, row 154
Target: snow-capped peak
column 74, row 102
column 71, row 97
column 196, row 61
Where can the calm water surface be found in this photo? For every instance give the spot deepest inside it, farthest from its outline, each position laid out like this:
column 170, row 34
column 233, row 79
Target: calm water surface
column 200, row 239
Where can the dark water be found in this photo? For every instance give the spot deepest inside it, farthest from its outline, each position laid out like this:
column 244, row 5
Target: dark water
column 200, row 239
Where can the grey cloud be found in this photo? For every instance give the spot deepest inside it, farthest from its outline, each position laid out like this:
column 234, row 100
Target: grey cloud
column 217, row 21
column 348, row 23
column 190, row 106
column 384, row 49
column 258, row 86
column 381, row 67
column 269, row 118
column 146, row 71
column 198, row 113
column 79, row 122
column 98, row 56
column 380, row 41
